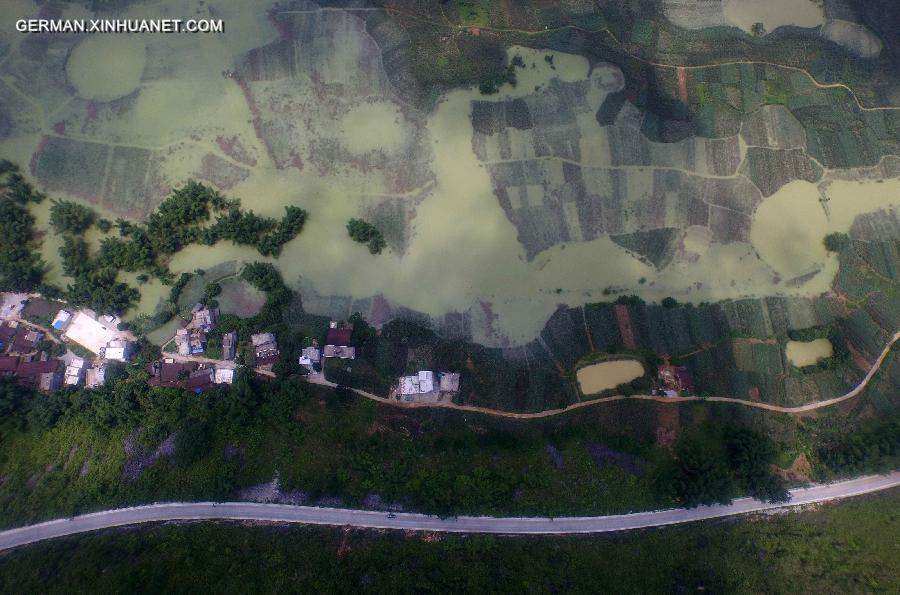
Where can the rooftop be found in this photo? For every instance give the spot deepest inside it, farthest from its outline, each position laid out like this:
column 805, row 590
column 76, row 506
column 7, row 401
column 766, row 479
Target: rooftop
column 339, row 337
column 90, row 333
column 421, row 383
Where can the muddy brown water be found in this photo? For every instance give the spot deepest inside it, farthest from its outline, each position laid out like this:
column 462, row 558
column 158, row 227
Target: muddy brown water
column 807, row 353
column 606, row 375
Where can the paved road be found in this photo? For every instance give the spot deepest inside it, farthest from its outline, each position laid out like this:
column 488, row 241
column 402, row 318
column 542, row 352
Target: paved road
column 281, row 513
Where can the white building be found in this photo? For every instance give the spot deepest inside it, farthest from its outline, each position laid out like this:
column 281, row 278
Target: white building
column 90, row 333
column 116, row 350
column 309, row 357
column 74, row 372
column 420, row 384
column 224, row 376
column 95, row 377
column 264, row 344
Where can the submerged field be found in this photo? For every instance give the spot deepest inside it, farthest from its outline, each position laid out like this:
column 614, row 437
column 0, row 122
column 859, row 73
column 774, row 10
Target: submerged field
column 497, row 208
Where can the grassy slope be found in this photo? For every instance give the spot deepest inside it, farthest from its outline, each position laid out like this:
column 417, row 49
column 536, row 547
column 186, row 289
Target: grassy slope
column 345, row 449
column 843, row 548
column 327, row 447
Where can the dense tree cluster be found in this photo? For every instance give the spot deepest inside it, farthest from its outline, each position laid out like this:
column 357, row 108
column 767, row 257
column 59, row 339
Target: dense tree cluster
column 184, row 218
column 491, row 85
column 180, row 220
column 716, row 466
column 97, row 289
column 70, row 217
column 266, row 234
column 192, row 214
column 669, row 302
column 75, row 256
column 21, row 269
column 365, row 233
column 874, row 445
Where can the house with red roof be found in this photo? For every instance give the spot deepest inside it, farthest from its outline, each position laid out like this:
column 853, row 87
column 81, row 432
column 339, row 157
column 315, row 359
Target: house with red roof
column 339, row 343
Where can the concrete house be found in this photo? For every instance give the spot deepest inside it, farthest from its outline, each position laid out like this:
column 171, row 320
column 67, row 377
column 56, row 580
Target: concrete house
column 229, row 345
column 266, row 349
column 339, row 343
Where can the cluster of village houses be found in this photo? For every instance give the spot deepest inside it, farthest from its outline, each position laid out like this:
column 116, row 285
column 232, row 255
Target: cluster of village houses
column 21, row 358
column 425, row 385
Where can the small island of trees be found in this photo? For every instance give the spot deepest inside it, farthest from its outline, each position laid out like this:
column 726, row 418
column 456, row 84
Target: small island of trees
column 365, row 233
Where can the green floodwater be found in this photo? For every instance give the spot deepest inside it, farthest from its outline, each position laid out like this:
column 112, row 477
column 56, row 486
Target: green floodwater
column 169, row 95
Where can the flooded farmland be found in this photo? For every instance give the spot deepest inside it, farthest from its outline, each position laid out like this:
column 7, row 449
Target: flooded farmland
column 104, row 68
column 607, row 375
column 774, row 13
column 808, row 353
column 502, row 206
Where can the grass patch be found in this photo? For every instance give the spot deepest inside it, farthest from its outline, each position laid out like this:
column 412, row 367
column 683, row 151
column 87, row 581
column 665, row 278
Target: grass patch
column 473, row 13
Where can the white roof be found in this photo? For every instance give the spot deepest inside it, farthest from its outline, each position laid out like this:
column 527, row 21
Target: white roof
column 421, row 383
column 224, row 376
column 89, row 333
column 426, row 382
column 341, row 352
column 261, row 338
column 116, row 353
column 409, row 385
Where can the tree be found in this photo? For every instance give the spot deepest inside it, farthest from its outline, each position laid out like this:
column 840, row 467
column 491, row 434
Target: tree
column 758, row 29
column 193, row 442
column 361, row 231
column 836, row 242
column 702, row 476
column 750, row 456
column 74, row 255
column 669, row 302
column 212, row 290
column 70, row 217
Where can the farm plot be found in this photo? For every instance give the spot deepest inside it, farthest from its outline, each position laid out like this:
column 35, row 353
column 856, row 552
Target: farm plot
column 74, row 167
column 240, row 299
column 770, row 169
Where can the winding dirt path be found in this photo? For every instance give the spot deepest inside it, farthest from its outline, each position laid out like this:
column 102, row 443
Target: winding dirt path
column 321, row 381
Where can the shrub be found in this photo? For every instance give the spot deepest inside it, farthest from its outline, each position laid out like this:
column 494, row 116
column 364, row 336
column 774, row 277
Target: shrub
column 836, row 242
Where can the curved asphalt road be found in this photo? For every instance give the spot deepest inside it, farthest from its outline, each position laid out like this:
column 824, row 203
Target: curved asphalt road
column 280, row 513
